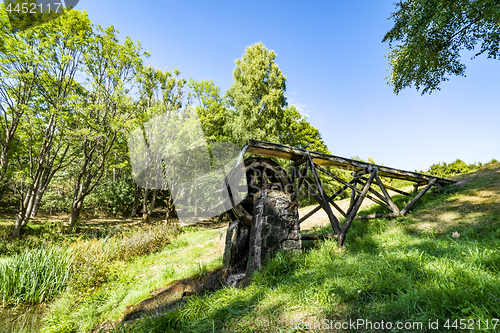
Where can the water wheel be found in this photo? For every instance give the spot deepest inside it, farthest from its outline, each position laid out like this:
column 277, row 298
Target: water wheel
column 260, row 173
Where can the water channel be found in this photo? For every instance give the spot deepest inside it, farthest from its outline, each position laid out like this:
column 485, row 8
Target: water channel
column 21, row 319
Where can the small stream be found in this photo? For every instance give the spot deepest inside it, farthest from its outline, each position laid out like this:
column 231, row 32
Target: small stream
column 21, row 320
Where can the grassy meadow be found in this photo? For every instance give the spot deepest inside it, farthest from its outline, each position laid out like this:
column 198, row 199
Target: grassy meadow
column 440, row 262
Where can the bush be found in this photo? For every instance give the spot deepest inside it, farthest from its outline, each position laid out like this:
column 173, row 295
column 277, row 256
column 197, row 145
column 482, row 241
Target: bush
column 115, row 198
column 93, row 259
column 35, row 275
column 456, row 168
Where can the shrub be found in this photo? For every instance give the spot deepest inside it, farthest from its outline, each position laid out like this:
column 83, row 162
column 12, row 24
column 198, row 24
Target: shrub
column 35, row 275
column 115, row 198
column 93, row 259
column 91, row 262
column 453, row 169
column 150, row 239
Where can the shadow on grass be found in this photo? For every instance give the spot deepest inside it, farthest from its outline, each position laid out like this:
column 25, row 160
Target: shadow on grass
column 390, row 271
column 420, row 279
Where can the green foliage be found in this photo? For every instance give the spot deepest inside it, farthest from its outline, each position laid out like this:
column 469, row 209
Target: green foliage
column 115, row 198
column 428, row 36
column 35, row 236
column 301, row 134
column 256, row 97
column 39, row 274
column 35, row 276
column 387, row 271
column 393, row 270
column 94, row 259
column 132, row 281
column 456, row 168
column 211, row 110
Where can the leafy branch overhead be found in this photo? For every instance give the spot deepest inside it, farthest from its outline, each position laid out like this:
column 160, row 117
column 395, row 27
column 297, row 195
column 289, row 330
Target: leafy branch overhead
column 428, row 36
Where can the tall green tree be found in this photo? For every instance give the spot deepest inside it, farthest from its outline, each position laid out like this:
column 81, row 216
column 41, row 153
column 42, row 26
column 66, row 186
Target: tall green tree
column 428, row 35
column 110, row 68
column 211, row 109
column 20, row 64
column 301, row 134
column 162, row 93
column 62, row 43
column 257, row 97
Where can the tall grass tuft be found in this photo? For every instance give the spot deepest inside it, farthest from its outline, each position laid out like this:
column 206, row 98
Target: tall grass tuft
column 35, row 275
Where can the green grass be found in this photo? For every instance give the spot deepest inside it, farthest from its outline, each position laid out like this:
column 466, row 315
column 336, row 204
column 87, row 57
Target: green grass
column 130, row 282
column 35, row 235
column 406, row 269
column 35, row 276
column 440, row 262
column 38, row 275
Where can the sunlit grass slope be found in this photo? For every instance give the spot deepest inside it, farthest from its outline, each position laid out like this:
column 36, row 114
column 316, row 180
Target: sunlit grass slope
column 440, row 262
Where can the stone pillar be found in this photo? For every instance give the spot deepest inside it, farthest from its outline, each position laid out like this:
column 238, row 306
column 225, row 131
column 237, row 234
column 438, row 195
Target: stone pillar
column 236, row 252
column 275, row 227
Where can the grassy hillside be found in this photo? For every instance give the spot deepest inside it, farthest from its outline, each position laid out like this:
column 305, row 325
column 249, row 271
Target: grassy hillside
column 439, row 263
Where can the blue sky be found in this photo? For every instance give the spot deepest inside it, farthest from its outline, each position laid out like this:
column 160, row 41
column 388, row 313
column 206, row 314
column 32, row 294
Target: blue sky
column 332, row 55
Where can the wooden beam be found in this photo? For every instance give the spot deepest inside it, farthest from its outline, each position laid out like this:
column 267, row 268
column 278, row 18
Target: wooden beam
column 415, row 188
column 408, row 207
column 377, row 216
column 318, row 236
column 299, row 183
column 291, row 153
column 338, row 208
column 339, row 192
column 391, row 203
column 297, row 162
column 326, row 207
column 383, row 202
column 353, row 199
column 389, row 187
column 353, row 212
column 333, row 220
column 371, row 190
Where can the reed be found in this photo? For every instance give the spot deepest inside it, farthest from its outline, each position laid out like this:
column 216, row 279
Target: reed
column 35, row 276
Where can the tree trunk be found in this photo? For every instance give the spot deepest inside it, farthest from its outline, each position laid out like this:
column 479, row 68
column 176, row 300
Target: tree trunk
column 16, row 233
column 79, row 195
column 145, row 205
column 137, row 191
column 153, row 201
column 29, row 209
column 27, row 206
column 36, row 204
column 170, row 207
column 76, row 207
column 37, row 201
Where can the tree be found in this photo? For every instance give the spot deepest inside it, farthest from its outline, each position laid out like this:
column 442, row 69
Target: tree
column 161, row 93
column 301, row 134
column 427, row 38
column 110, row 69
column 211, row 109
column 62, row 43
column 256, row 97
column 19, row 66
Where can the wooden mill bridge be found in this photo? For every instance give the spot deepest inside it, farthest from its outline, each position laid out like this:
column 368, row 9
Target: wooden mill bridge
column 265, row 173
